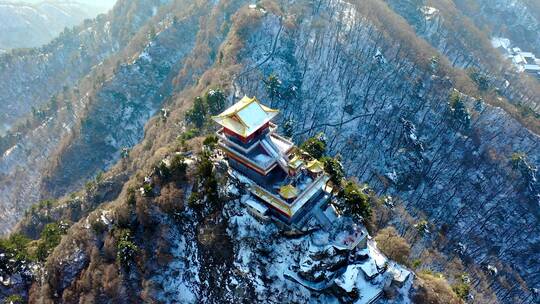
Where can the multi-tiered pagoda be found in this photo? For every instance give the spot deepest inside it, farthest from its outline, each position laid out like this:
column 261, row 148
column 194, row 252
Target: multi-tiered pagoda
column 279, row 177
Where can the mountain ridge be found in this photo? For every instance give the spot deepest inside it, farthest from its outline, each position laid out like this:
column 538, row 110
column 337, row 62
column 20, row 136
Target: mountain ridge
column 393, row 115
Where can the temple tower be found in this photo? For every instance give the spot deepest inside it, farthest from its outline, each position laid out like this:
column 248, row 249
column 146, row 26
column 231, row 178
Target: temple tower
column 278, row 176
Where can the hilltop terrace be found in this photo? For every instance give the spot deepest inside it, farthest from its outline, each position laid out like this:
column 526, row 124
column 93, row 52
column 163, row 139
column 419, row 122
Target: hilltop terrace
column 284, row 183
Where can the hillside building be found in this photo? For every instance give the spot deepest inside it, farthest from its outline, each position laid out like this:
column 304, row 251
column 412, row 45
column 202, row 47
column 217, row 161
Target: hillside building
column 523, row 61
column 284, row 184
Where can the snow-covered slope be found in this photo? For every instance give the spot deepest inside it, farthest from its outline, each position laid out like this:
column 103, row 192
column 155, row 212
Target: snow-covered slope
column 390, row 121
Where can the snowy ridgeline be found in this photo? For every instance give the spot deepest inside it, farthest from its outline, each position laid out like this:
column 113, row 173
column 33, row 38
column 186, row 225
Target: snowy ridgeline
column 25, row 25
column 121, row 107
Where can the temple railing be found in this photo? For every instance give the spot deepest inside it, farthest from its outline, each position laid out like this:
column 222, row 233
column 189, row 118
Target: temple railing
column 290, row 210
column 239, row 157
column 271, row 199
column 224, row 138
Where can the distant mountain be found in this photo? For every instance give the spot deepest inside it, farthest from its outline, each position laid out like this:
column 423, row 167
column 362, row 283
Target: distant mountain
column 24, row 25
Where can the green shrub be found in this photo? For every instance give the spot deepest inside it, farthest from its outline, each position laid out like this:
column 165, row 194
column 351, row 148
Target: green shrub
column 50, row 238
column 42, row 205
column 99, row 226
column 205, row 167
column 99, row 177
column 16, row 245
column 89, row 186
column 459, row 111
column 516, row 159
column 148, row 190
column 197, row 114
column 273, row 86
column 178, row 167
column 193, row 200
column 131, row 199
column 124, row 153
column 335, row 170
column 163, row 171
column 356, row 201
column 421, row 227
column 126, row 250
column 206, row 188
column 189, row 134
column 288, row 128
column 46, row 204
column 216, row 100
column 212, row 104
column 480, row 79
column 462, row 290
column 315, row 146
column 210, row 141
column 463, row 287
column 14, row 299
column 205, row 170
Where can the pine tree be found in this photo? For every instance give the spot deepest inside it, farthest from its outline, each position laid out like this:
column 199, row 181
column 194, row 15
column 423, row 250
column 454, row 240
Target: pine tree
column 356, row 202
column 315, row 146
column 197, row 114
column 335, row 170
column 288, row 128
column 273, row 87
column 459, row 111
column 216, row 101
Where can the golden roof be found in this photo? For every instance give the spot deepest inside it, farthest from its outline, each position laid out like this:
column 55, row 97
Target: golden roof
column 315, row 166
column 245, row 117
column 295, row 162
column 288, row 192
